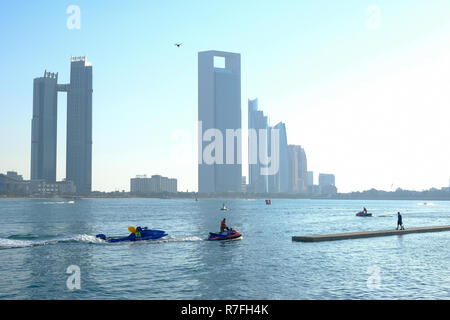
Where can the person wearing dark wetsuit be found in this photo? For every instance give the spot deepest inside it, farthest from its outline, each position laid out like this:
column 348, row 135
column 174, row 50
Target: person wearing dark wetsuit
column 399, row 221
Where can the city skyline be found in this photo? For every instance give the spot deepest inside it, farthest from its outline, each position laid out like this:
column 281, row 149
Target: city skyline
column 343, row 104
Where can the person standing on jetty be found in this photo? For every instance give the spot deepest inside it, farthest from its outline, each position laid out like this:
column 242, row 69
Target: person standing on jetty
column 399, row 221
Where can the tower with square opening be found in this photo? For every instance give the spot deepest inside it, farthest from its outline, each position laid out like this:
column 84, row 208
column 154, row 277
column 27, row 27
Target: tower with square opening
column 219, row 107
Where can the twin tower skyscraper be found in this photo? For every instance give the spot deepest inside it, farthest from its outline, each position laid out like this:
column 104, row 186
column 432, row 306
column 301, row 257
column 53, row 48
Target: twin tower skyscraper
column 79, row 126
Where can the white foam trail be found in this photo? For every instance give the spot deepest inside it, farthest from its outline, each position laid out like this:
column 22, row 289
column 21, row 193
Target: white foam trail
column 12, row 243
column 86, row 238
column 170, row 238
column 9, row 243
column 54, row 202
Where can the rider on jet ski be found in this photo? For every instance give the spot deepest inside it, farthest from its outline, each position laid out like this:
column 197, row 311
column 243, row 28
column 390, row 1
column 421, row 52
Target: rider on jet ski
column 136, row 235
column 223, row 226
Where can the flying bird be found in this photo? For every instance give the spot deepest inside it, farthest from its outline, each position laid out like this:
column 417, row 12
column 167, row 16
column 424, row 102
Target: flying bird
column 178, row 44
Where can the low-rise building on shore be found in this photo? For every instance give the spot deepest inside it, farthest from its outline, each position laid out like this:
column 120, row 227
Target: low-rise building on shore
column 142, row 185
column 13, row 184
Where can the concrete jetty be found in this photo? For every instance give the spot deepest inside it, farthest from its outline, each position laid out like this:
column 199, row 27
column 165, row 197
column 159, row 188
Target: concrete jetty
column 368, row 234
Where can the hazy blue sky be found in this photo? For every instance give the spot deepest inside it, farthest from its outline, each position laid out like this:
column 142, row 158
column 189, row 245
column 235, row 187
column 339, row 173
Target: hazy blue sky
column 367, row 98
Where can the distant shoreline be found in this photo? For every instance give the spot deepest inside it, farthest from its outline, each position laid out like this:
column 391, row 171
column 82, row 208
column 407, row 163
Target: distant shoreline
column 391, row 196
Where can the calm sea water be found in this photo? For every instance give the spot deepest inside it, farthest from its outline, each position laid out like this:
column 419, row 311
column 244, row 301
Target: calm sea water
column 40, row 239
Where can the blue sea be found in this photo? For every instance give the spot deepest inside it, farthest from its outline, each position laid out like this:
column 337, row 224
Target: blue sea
column 41, row 239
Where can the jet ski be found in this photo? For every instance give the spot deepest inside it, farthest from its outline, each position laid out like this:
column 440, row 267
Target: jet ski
column 146, row 234
column 362, row 214
column 227, row 235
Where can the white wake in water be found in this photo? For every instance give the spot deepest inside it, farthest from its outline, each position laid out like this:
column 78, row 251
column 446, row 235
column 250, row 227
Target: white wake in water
column 170, row 238
column 6, row 243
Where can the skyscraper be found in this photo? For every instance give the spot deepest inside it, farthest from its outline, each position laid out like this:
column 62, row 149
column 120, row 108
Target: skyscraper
column 310, row 179
column 257, row 121
column 219, row 107
column 303, row 170
column 79, row 125
column 293, row 168
column 281, row 178
column 44, row 127
column 298, row 170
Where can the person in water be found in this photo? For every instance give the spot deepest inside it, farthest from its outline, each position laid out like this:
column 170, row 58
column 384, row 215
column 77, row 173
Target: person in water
column 223, row 226
column 399, row 221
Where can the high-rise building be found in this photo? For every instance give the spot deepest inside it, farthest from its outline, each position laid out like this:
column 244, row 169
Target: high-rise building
column 79, row 125
column 293, row 168
column 273, row 187
column 326, row 179
column 219, row 107
column 44, row 127
column 281, row 177
column 303, row 172
column 258, row 122
column 310, row 179
column 297, row 169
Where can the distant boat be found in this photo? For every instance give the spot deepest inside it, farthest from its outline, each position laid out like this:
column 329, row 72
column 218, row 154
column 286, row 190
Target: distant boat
column 224, row 207
column 71, row 201
column 268, row 202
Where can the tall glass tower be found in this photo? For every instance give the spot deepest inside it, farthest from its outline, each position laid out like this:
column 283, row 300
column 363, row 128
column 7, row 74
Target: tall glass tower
column 44, row 127
column 281, row 178
column 219, row 107
column 79, row 125
column 257, row 121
